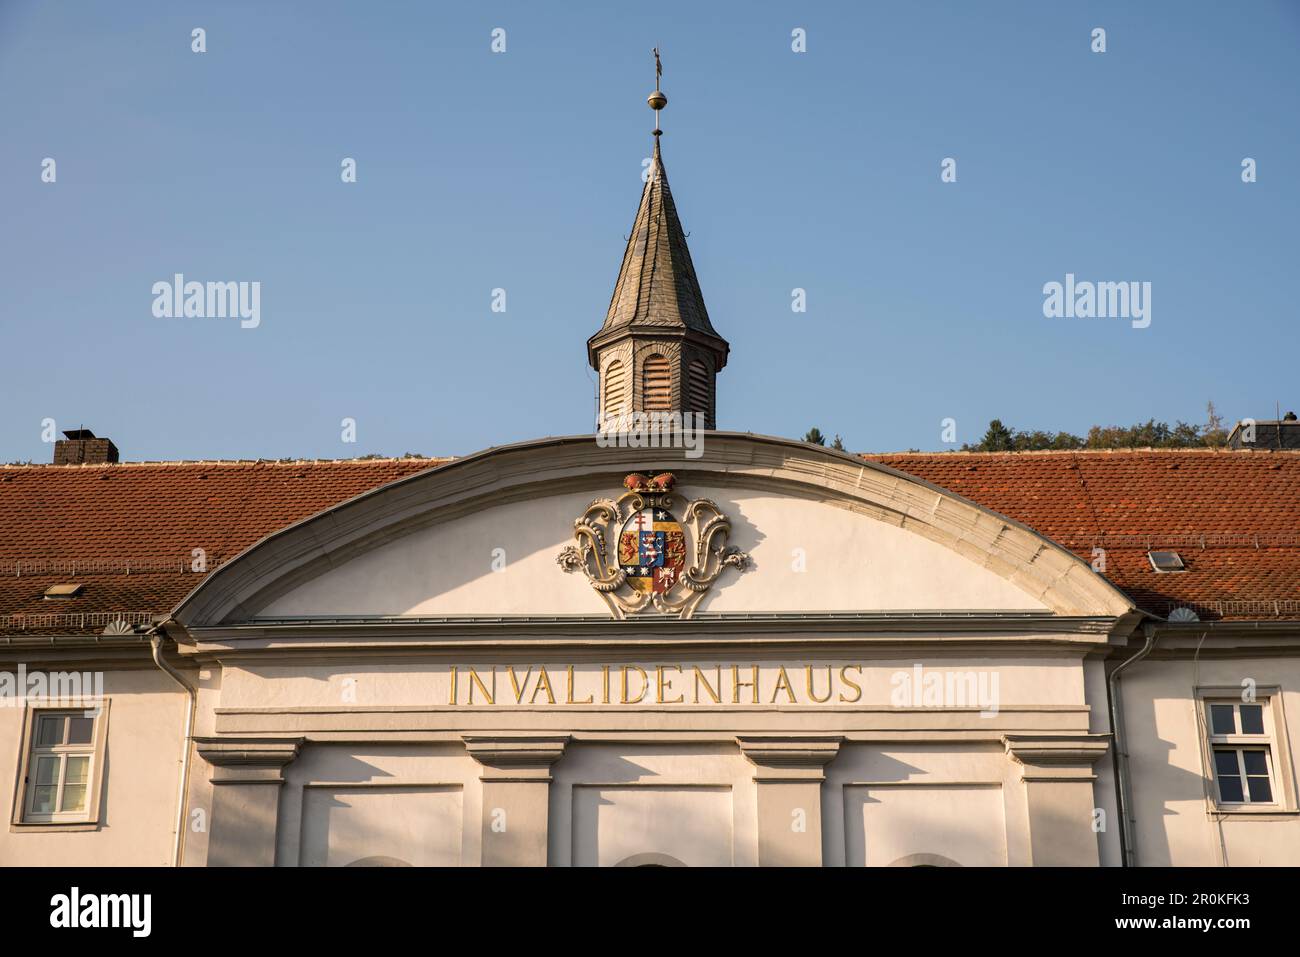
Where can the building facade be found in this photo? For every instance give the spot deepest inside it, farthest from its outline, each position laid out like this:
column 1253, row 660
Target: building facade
column 595, row 651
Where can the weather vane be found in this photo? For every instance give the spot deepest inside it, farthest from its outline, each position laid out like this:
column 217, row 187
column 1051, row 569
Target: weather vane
column 656, row 99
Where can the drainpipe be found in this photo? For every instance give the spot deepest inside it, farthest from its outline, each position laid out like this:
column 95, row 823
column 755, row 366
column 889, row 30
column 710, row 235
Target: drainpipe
column 155, row 636
column 1127, row 822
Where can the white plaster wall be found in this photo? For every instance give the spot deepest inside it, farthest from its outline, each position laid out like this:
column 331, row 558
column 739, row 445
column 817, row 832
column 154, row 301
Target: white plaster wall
column 1106, row 798
column 693, row 803
column 849, row 562
column 1019, row 681
column 417, row 803
column 420, row 826
column 692, row 825
column 141, row 781
column 1164, row 743
column 962, row 824
column 963, row 803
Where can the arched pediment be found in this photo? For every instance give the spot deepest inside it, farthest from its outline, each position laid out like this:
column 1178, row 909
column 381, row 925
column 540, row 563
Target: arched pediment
column 479, row 536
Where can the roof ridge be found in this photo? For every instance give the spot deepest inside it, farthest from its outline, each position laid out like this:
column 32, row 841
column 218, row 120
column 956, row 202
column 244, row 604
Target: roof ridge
column 1010, row 453
column 145, row 463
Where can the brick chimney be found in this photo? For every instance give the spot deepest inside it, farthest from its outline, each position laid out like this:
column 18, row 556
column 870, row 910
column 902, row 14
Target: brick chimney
column 82, row 446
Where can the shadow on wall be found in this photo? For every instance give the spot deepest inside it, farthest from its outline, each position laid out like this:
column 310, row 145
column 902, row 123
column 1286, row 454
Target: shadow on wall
column 924, row 860
column 744, row 535
column 378, row 862
column 1159, row 786
column 650, row 859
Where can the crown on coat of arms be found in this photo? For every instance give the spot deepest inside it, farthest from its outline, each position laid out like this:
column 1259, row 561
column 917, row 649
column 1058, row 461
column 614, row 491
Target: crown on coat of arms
column 663, row 482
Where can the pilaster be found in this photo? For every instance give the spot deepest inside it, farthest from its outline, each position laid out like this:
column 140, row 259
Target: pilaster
column 516, row 780
column 788, row 773
column 247, row 776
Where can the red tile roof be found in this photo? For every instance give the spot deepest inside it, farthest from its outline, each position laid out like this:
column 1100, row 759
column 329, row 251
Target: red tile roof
column 1233, row 517
column 128, row 531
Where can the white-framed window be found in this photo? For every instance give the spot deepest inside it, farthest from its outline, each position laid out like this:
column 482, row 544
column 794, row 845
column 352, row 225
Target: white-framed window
column 1243, row 752
column 63, row 749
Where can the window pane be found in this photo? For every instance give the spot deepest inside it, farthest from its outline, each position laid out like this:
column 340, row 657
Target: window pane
column 1222, row 720
column 1229, row 775
column 76, row 772
column 79, row 729
column 74, row 797
column 1256, row 762
column 1252, row 719
column 74, row 783
column 43, row 799
column 1260, row 790
column 1230, row 790
column 1225, row 763
column 47, row 771
column 49, row 730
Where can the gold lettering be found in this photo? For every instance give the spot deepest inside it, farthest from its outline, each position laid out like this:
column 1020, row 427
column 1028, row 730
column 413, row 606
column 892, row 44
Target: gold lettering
column 737, row 684
column 517, row 685
column 812, row 693
column 844, row 677
column 783, row 681
column 569, row 697
column 665, row 685
column 705, row 688
column 712, row 689
column 474, row 679
column 645, row 684
column 543, row 681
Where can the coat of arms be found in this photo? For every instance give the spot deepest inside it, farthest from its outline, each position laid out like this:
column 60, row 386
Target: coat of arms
column 648, row 564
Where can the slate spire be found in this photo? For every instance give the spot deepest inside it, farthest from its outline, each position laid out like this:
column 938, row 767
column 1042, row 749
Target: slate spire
column 657, row 351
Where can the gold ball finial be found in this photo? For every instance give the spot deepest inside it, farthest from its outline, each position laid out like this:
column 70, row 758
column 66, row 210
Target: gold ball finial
column 657, row 100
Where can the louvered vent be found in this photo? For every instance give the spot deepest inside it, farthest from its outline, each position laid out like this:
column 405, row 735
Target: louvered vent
column 657, row 390
column 699, row 385
column 615, row 388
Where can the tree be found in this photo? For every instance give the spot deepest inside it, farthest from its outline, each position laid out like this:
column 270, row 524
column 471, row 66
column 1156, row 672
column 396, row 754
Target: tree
column 1038, row 441
column 838, row 444
column 815, row 437
column 1215, row 435
column 997, row 439
column 1142, row 435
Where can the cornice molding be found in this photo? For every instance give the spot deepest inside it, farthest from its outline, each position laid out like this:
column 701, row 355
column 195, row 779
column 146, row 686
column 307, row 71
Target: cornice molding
column 249, row 760
column 1049, row 573
column 516, row 757
column 782, row 757
column 1057, row 757
column 874, row 632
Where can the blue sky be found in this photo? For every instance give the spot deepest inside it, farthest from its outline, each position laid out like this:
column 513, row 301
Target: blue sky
column 521, row 170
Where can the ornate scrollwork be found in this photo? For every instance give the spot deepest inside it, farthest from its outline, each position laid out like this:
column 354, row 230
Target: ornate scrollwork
column 634, row 568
